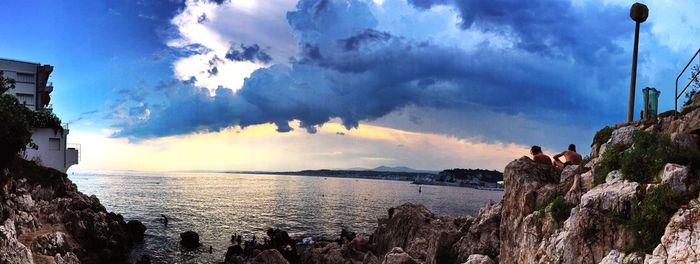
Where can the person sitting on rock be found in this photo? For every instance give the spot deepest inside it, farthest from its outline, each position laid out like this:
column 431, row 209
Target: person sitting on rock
column 539, row 157
column 572, row 158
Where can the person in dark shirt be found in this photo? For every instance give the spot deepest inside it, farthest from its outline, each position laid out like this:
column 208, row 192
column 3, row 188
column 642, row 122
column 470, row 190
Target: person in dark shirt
column 540, row 157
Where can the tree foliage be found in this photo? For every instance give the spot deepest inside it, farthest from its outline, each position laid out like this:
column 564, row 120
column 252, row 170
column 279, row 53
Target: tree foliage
column 15, row 133
column 18, row 121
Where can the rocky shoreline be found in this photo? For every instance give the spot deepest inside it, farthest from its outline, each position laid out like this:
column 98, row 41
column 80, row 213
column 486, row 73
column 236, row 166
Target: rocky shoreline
column 45, row 219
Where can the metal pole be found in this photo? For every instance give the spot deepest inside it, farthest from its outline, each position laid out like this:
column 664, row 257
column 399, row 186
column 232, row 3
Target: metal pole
column 633, row 82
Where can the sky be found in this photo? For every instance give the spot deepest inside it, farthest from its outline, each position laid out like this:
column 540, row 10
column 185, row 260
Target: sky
column 287, row 85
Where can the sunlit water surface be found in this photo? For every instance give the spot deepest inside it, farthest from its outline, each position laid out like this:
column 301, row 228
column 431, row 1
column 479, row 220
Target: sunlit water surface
column 217, row 205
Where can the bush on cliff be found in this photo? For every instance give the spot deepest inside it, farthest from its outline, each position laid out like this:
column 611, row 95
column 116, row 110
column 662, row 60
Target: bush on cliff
column 602, row 135
column 649, row 216
column 610, row 161
column 650, row 152
column 648, row 155
column 560, row 209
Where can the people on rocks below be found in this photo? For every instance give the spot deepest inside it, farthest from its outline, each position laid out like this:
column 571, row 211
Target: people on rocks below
column 540, row 157
column 572, row 158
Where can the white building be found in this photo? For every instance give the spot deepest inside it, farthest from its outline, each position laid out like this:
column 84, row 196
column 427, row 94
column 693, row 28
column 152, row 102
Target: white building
column 34, row 91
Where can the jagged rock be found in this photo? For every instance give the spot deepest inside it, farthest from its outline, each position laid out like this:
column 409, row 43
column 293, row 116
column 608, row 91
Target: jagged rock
column 617, row 257
column 270, row 256
column 323, row 253
column 417, row 231
column 623, row 135
column 482, row 237
column 680, row 242
column 675, row 176
column 24, row 202
column 683, row 140
column 398, row 256
column 613, row 176
column 11, row 250
column 189, row 239
column 68, row 258
column 612, row 196
column 136, row 230
column 591, row 229
column 479, row 259
column 520, row 228
column 50, row 244
column 370, row 259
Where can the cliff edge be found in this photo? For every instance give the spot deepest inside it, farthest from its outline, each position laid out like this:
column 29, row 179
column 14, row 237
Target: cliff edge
column 45, row 219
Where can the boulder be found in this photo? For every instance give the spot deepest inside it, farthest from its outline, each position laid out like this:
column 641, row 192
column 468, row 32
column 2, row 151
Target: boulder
column 479, row 259
column 323, row 253
column 623, row 135
column 68, row 258
column 50, row 244
column 398, row 256
column 136, row 230
column 617, row 257
column 613, row 176
column 189, row 239
column 11, row 250
column 683, row 140
column 680, row 242
column 611, row 196
column 482, row 237
column 675, row 176
column 269, row 256
column 418, row 232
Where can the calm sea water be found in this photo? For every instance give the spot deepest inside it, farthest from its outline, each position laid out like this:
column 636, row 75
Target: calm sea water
column 217, row 205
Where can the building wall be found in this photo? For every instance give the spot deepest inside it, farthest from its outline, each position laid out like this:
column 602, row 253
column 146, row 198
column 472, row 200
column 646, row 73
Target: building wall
column 51, row 150
column 24, row 74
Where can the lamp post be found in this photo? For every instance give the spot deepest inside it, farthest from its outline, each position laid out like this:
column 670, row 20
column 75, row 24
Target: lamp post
column 638, row 13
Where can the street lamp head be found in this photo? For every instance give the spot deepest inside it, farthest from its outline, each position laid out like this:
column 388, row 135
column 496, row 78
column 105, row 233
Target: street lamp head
column 639, row 12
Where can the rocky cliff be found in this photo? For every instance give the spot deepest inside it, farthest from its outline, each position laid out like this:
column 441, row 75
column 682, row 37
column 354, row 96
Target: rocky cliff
column 634, row 200
column 45, row 219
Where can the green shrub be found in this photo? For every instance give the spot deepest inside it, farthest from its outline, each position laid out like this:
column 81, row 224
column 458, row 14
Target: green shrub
column 602, row 135
column 648, row 155
column 649, row 216
column 15, row 131
column 560, row 209
column 610, row 161
column 45, row 119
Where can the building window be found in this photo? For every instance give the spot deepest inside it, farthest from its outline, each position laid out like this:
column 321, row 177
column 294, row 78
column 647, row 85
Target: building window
column 25, row 77
column 54, row 144
column 25, row 99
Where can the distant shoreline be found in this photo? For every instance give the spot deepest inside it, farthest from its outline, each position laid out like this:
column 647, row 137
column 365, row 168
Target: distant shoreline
column 413, row 177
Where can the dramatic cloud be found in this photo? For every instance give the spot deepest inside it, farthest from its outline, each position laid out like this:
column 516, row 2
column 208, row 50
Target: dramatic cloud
column 251, row 53
column 516, row 65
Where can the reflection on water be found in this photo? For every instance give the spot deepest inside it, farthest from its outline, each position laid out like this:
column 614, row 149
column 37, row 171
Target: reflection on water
column 216, row 205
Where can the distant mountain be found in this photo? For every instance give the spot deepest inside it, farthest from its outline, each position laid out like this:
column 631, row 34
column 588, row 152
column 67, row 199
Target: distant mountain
column 400, row 169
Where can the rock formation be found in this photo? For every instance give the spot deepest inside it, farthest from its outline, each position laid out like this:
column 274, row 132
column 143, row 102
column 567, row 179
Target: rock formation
column 45, row 219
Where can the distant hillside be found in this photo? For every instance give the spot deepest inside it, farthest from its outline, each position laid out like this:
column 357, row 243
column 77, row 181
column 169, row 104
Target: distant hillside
column 469, row 176
column 401, row 169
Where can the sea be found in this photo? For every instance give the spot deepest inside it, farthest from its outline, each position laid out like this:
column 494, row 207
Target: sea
column 219, row 205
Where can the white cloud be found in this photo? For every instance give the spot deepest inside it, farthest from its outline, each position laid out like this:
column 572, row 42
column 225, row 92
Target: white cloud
column 213, row 28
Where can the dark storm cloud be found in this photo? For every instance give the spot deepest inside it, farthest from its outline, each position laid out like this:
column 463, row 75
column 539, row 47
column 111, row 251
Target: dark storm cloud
column 369, row 35
column 251, row 53
column 347, row 69
column 549, row 27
